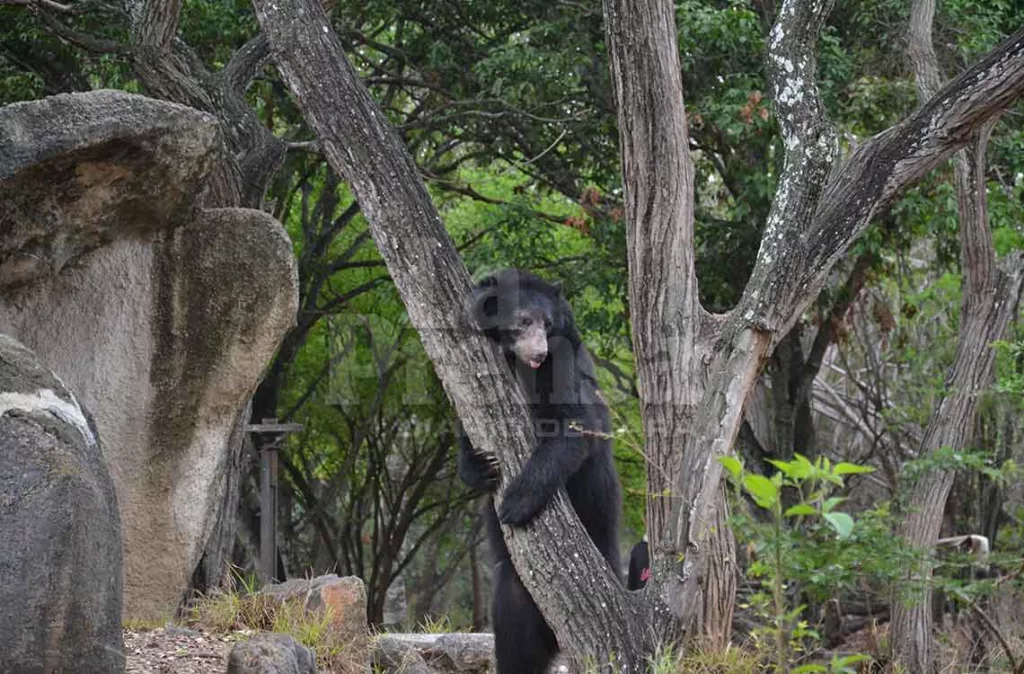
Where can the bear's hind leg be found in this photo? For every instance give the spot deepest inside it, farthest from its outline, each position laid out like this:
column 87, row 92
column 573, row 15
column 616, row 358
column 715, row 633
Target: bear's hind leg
column 523, row 642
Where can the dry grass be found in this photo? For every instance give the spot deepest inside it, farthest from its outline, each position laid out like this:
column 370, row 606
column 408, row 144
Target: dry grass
column 225, row 611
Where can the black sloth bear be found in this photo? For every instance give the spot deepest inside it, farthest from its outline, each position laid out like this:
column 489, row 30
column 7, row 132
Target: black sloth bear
column 535, row 328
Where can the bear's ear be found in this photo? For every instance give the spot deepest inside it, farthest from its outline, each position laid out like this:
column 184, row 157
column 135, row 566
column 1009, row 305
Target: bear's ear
column 485, row 305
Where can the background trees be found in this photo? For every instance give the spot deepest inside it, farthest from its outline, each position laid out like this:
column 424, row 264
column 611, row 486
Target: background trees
column 509, row 113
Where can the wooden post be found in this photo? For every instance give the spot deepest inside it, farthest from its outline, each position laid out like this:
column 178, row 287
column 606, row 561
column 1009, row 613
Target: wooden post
column 268, row 493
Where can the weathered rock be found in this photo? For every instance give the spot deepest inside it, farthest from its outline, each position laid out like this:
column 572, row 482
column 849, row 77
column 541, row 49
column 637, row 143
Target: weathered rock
column 434, row 653
column 159, row 315
column 78, row 171
column 343, row 598
column 271, row 654
column 396, row 656
column 60, row 534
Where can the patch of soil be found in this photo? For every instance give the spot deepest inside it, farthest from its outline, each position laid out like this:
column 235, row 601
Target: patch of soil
column 178, row 650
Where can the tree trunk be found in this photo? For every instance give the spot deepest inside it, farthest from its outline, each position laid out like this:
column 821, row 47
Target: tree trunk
column 696, row 370
column 989, row 300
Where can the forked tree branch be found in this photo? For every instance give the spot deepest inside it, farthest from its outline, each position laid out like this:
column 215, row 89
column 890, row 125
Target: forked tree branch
column 883, row 167
column 740, row 347
column 813, row 228
column 171, row 70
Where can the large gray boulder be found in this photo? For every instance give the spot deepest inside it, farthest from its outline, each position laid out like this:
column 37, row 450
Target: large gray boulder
column 160, row 315
column 60, row 534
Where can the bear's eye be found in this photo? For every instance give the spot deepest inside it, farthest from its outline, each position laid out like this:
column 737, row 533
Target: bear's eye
column 525, row 322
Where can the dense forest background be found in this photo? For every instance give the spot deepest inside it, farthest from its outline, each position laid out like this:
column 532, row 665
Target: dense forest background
column 507, row 110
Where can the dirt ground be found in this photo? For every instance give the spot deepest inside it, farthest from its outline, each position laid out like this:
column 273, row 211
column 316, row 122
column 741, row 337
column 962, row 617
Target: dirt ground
column 178, row 650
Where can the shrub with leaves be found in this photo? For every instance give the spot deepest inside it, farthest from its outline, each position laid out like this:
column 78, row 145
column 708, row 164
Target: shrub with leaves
column 788, row 547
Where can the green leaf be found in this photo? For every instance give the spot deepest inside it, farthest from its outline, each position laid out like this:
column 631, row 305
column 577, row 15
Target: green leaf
column 807, row 669
column 762, row 489
column 785, row 466
column 800, row 467
column 801, row 509
column 849, row 659
column 842, row 665
column 831, row 503
column 732, row 464
column 851, row 469
column 841, row 522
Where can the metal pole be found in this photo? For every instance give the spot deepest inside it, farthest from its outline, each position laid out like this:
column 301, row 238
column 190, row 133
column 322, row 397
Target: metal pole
column 268, row 493
column 268, row 513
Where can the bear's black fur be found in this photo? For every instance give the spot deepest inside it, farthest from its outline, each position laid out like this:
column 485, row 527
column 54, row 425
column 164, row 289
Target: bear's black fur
column 534, row 325
column 639, row 566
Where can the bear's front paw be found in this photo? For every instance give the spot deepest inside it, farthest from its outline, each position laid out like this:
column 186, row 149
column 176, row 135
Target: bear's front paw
column 489, row 469
column 520, row 504
column 478, row 470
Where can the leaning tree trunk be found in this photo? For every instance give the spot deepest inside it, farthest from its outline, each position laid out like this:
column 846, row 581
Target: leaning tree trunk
column 581, row 598
column 989, row 300
column 695, row 369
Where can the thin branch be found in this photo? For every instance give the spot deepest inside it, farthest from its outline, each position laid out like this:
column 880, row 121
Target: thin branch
column 343, row 299
column 549, row 148
column 82, row 40
column 45, row 4
column 992, row 628
column 468, row 191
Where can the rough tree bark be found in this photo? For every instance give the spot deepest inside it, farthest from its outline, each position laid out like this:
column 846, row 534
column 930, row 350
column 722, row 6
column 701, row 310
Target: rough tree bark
column 990, row 296
column 695, row 369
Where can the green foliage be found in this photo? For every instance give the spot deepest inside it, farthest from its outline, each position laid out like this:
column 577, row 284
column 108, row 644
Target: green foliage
column 962, row 460
column 216, row 29
column 791, row 543
column 1010, row 367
